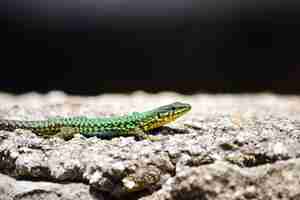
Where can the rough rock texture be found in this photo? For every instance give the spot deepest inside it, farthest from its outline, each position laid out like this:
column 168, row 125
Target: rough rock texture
column 227, row 147
column 10, row 189
column 223, row 181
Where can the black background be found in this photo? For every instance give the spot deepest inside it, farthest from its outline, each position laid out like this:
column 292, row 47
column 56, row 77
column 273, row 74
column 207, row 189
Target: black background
column 219, row 48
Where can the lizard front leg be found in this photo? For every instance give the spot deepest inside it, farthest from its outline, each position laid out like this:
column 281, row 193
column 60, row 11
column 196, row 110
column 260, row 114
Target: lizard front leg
column 67, row 133
column 140, row 134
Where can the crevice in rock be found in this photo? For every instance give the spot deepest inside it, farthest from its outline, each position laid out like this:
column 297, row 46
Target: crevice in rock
column 255, row 159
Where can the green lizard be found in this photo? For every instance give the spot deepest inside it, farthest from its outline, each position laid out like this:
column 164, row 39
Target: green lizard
column 135, row 124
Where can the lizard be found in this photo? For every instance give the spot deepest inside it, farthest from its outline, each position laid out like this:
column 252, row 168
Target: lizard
column 136, row 124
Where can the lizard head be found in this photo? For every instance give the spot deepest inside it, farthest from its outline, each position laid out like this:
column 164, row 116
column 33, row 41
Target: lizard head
column 172, row 111
column 166, row 114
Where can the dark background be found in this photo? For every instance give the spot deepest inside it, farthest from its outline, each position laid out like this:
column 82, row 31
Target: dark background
column 91, row 47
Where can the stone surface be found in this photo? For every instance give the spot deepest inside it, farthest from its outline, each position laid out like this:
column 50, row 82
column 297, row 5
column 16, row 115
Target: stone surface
column 10, row 189
column 227, row 147
column 228, row 182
